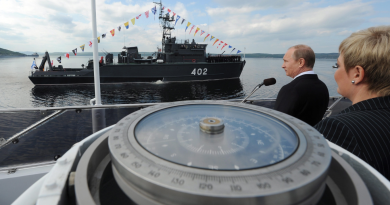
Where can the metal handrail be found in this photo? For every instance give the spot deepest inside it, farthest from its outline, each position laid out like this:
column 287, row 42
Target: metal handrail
column 17, row 135
column 27, row 166
column 78, row 107
column 124, row 105
column 58, row 110
column 328, row 112
column 335, row 103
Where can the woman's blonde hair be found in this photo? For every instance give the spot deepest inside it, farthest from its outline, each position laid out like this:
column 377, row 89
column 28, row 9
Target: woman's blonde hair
column 370, row 49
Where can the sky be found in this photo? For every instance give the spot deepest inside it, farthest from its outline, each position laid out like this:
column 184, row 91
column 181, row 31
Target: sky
column 251, row 26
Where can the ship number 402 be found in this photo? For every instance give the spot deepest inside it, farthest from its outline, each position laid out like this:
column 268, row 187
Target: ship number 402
column 199, row 71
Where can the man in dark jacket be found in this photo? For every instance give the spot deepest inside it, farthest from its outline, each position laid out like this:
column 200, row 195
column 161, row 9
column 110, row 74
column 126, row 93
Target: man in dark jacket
column 306, row 97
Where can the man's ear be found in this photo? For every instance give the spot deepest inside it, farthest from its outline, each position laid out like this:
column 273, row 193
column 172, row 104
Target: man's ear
column 358, row 74
column 301, row 62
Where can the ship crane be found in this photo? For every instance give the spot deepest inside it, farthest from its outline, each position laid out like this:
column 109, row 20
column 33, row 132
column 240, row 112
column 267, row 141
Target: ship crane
column 45, row 58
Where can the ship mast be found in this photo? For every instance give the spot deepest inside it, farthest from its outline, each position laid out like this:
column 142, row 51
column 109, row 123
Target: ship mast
column 165, row 22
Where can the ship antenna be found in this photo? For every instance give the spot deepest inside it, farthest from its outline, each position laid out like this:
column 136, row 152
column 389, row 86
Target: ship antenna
column 165, row 23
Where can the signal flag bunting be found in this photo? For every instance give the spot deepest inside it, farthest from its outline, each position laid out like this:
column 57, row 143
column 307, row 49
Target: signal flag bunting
column 197, row 29
column 188, row 24
column 177, row 18
column 224, row 45
column 215, row 41
column 192, row 28
column 206, row 37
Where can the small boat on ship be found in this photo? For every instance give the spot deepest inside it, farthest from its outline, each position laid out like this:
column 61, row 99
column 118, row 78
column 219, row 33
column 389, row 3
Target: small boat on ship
column 176, row 61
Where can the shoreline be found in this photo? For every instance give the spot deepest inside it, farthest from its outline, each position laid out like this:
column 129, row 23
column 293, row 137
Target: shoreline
column 18, row 56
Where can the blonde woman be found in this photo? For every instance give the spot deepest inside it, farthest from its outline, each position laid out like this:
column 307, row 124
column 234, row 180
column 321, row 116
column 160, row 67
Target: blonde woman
column 363, row 76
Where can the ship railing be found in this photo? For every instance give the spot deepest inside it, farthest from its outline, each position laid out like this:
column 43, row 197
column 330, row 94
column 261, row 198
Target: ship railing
column 223, row 58
column 224, row 55
column 183, row 41
column 31, row 72
column 42, row 135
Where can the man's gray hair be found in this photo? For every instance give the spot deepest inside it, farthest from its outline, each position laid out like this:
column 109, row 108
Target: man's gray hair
column 305, row 52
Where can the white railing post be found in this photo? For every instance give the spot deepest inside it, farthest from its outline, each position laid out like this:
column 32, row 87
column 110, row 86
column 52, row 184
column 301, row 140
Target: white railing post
column 95, row 55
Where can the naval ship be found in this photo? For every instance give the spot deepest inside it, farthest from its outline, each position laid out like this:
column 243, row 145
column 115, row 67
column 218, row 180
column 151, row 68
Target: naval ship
column 175, row 61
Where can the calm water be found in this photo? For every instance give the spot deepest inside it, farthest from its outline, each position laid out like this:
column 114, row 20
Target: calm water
column 17, row 91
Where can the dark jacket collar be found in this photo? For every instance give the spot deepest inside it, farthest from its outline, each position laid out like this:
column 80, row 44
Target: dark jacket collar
column 370, row 104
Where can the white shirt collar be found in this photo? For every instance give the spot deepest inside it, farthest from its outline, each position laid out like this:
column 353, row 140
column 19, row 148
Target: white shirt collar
column 305, row 73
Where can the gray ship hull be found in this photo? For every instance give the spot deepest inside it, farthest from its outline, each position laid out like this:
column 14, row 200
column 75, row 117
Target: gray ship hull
column 124, row 73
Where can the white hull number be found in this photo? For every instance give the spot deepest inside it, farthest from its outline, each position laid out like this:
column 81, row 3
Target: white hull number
column 199, row 71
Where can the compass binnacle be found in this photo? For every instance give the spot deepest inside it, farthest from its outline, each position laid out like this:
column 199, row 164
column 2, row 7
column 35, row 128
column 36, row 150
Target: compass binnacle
column 252, row 155
column 242, row 139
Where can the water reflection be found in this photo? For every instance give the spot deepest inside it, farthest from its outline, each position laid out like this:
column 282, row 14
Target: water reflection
column 70, row 95
column 18, row 92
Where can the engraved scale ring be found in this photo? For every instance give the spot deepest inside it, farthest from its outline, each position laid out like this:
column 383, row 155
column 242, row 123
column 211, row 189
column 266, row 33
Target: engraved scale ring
column 253, row 155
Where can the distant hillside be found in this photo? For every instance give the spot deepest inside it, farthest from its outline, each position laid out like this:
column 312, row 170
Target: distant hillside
column 5, row 52
column 327, row 55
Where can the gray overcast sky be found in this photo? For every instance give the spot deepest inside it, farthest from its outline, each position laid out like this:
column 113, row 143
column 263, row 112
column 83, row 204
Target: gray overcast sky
column 260, row 26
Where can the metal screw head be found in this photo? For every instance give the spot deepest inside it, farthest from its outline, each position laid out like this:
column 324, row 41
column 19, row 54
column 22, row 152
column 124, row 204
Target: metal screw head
column 12, row 171
column 2, row 141
column 57, row 157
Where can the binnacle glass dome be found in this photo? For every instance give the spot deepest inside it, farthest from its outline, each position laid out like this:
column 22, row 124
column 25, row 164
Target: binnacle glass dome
column 246, row 139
